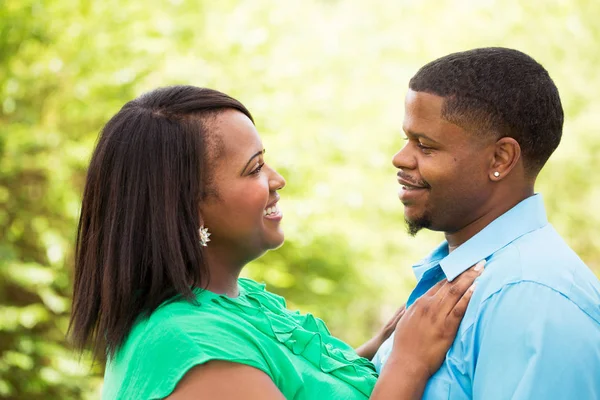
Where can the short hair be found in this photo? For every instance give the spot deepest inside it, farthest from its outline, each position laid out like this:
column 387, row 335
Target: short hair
column 137, row 240
column 499, row 91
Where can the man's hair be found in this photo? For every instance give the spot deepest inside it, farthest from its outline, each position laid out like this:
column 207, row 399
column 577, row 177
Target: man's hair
column 498, row 91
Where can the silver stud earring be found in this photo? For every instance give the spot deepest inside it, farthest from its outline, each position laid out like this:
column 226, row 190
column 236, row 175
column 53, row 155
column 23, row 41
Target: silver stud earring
column 204, row 234
column 496, row 174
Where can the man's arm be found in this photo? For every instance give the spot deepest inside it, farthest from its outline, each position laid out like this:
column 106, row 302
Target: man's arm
column 532, row 342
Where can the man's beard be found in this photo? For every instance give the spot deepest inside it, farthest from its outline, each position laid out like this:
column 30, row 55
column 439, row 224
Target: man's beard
column 416, row 225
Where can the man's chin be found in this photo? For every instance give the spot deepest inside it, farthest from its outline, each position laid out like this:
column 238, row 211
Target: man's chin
column 414, row 225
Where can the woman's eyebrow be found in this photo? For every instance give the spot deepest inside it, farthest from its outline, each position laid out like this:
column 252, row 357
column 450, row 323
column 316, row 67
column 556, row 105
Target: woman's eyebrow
column 252, row 158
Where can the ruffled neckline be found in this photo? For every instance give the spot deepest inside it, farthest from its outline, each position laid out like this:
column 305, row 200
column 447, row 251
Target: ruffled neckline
column 303, row 334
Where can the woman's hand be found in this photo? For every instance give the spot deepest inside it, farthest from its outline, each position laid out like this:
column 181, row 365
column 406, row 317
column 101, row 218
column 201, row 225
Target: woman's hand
column 424, row 335
column 369, row 349
column 429, row 326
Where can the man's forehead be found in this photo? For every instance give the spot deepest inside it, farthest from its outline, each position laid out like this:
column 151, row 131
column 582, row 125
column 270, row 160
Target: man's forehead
column 423, row 111
column 423, row 105
column 423, row 116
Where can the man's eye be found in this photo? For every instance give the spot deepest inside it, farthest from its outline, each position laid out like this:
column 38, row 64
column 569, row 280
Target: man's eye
column 423, row 147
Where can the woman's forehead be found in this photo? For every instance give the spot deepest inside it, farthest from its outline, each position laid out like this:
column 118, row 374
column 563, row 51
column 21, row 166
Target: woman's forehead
column 237, row 136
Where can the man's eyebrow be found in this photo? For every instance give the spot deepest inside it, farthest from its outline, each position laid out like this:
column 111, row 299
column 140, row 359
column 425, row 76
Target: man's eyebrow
column 252, row 158
column 418, row 135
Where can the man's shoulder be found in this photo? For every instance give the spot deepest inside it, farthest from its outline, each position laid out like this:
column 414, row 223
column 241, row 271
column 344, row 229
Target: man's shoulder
column 541, row 256
column 542, row 260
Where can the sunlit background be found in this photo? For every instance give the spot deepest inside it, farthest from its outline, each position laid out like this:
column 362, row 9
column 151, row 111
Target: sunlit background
column 325, row 81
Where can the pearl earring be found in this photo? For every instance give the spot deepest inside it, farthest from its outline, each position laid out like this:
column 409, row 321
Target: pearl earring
column 496, row 174
column 204, row 234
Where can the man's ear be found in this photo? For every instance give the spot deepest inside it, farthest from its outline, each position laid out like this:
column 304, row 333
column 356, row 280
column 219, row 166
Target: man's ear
column 507, row 153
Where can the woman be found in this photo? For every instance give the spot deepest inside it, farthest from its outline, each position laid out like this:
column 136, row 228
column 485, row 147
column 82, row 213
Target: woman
column 178, row 199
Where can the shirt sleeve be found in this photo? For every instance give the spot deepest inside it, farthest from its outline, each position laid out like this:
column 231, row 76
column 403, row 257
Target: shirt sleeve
column 532, row 342
column 169, row 350
column 383, row 354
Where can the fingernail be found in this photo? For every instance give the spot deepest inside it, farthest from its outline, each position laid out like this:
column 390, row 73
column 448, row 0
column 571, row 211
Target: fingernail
column 472, row 288
column 479, row 265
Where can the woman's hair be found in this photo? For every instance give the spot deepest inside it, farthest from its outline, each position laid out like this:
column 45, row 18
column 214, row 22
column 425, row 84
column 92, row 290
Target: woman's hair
column 137, row 240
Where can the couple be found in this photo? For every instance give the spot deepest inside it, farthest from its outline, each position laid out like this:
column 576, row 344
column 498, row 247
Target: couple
column 178, row 199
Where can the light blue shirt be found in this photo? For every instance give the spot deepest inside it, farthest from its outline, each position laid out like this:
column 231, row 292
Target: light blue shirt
column 532, row 328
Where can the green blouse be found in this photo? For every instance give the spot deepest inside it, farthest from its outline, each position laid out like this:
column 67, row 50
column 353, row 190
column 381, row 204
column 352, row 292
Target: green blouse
column 296, row 351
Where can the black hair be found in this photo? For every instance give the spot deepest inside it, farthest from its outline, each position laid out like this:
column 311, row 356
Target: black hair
column 137, row 240
column 499, row 91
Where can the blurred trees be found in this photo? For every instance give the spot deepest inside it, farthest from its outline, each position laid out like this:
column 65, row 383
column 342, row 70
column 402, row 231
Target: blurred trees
column 325, row 81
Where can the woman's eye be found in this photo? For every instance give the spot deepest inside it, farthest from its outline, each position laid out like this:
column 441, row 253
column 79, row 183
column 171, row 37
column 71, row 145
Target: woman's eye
column 257, row 169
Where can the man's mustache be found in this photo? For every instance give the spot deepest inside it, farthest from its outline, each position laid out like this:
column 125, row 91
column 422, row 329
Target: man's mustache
column 413, row 181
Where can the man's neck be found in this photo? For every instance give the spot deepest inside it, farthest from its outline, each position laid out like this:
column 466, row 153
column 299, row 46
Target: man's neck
column 457, row 238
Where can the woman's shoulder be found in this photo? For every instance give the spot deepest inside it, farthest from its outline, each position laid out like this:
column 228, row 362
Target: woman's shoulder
column 177, row 336
column 206, row 306
column 206, row 314
column 198, row 321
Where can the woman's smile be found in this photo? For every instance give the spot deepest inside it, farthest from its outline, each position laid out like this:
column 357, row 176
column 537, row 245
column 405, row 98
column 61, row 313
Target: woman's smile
column 273, row 213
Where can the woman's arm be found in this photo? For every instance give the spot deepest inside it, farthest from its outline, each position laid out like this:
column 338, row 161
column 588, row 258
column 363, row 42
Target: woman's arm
column 226, row 381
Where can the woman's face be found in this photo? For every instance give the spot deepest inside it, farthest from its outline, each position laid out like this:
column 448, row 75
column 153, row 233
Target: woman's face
column 242, row 215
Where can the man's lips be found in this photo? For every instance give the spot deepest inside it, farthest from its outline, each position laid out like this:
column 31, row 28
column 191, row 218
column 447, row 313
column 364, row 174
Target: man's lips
column 410, row 183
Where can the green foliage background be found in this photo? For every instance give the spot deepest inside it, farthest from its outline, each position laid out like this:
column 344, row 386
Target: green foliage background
column 325, row 81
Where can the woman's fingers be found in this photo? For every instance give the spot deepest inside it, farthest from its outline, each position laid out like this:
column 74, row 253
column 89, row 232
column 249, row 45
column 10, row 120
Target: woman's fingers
column 436, row 288
column 427, row 330
column 459, row 310
column 399, row 314
column 391, row 324
column 452, row 292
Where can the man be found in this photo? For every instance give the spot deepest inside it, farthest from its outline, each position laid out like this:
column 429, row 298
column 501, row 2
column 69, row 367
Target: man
column 480, row 126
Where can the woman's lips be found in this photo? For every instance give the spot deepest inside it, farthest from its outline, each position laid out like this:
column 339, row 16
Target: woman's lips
column 273, row 213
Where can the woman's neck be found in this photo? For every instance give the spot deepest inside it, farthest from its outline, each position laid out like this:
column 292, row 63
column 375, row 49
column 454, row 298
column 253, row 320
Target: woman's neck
column 224, row 272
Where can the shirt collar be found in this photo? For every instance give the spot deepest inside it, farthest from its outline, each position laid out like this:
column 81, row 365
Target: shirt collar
column 432, row 260
column 527, row 216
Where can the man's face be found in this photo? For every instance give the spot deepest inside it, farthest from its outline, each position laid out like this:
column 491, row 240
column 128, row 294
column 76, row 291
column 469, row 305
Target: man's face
column 443, row 169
